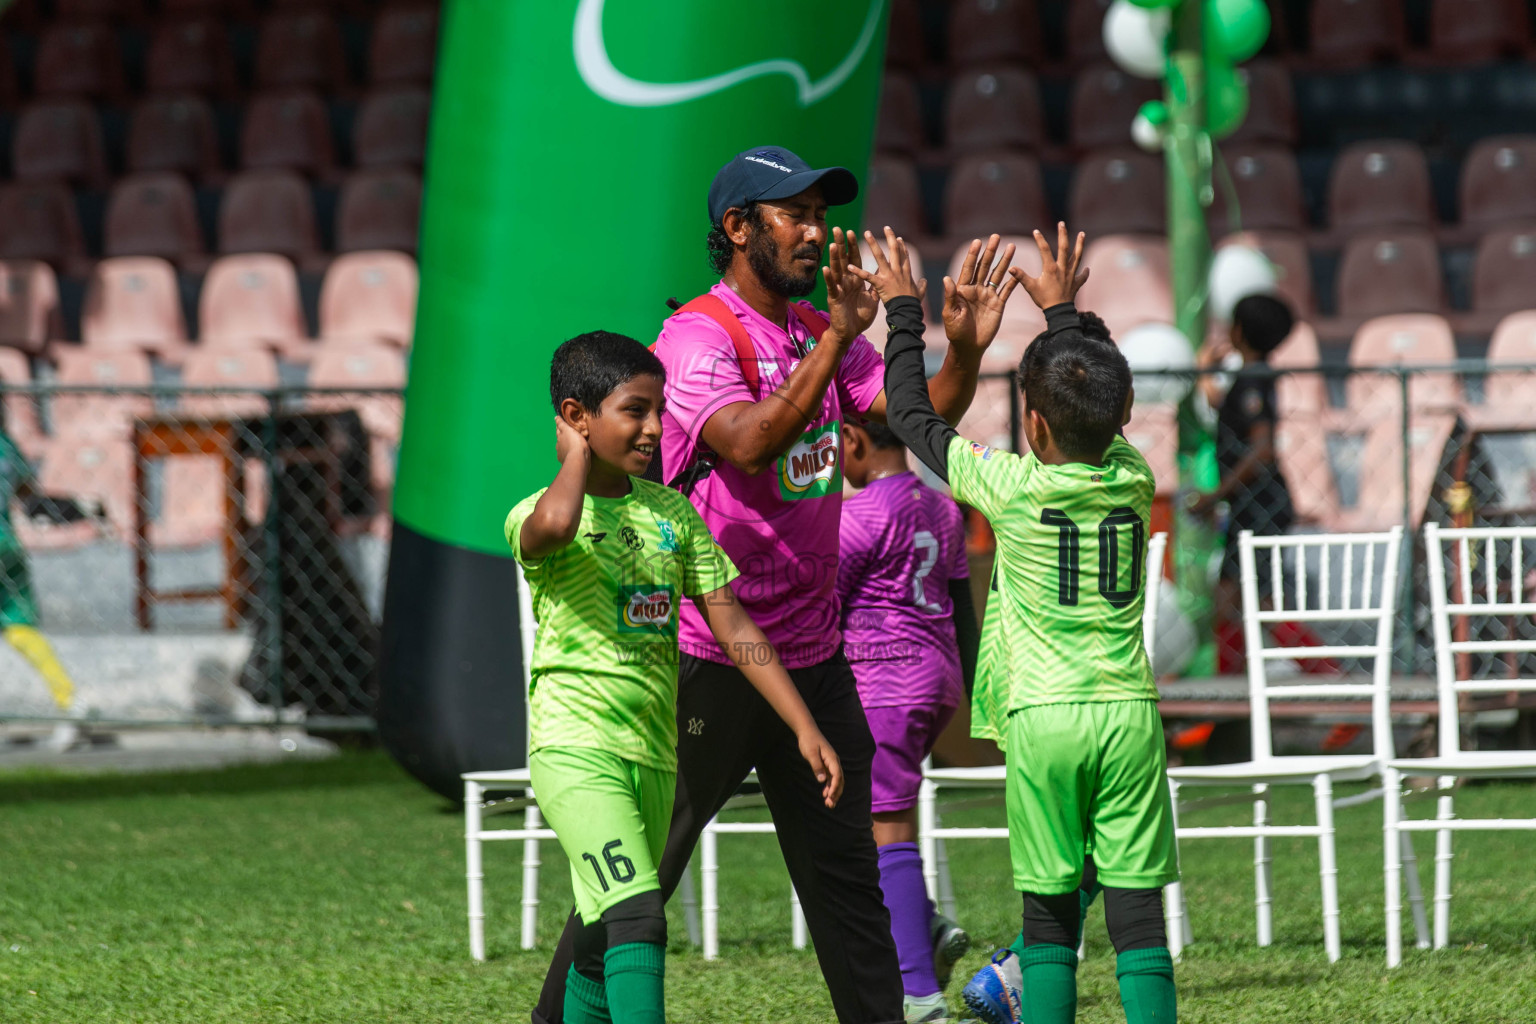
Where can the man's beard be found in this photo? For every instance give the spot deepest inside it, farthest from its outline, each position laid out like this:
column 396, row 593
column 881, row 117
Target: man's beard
column 763, row 258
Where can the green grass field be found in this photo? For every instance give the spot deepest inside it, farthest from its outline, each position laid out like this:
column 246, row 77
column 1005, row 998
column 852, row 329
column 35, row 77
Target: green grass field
column 334, row 892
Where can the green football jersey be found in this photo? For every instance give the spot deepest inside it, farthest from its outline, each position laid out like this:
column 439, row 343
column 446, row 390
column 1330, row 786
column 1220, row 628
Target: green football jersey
column 605, row 660
column 1063, row 619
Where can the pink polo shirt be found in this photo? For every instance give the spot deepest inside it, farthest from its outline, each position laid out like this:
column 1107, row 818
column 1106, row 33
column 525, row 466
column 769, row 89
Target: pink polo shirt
column 780, row 528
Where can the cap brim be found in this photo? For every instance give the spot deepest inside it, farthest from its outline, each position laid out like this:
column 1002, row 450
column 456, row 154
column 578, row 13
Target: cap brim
column 838, row 185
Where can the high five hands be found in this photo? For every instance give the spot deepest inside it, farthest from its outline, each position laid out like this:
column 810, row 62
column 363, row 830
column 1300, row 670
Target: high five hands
column 1061, row 272
column 851, row 305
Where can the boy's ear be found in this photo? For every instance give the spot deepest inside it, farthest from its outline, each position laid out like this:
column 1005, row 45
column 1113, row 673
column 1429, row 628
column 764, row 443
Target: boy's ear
column 853, row 442
column 574, row 413
column 1130, row 400
column 1037, row 432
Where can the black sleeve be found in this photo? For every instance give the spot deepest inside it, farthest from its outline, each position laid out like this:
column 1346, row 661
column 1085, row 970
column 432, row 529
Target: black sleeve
column 966, row 633
column 909, row 411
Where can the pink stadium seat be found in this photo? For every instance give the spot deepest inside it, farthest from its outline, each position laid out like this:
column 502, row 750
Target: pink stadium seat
column 59, row 140
column 1390, row 273
column 133, row 302
column 994, row 30
column 1288, row 252
column 1104, row 103
column 174, row 134
column 892, row 196
column 1154, row 430
column 1507, row 393
column 993, row 108
column 300, row 49
column 29, row 305
column 1271, row 105
column 251, row 301
column 1129, row 285
column 1021, row 320
column 93, row 467
column 403, row 47
column 1346, row 33
column 86, row 414
column 1380, row 183
column 1299, row 394
column 40, row 223
column 268, row 211
column 1085, row 30
column 288, row 130
column 899, row 125
column 1381, row 470
column 379, row 209
column 905, row 46
column 191, row 56
column 153, row 215
column 1498, row 181
column 391, row 128
column 21, row 421
column 250, row 368
column 369, row 297
column 79, row 59
column 1412, row 339
column 1267, row 181
column 1474, row 31
column 1301, row 445
column 1118, row 192
column 987, row 421
column 1504, row 277
column 372, row 366
column 1000, row 192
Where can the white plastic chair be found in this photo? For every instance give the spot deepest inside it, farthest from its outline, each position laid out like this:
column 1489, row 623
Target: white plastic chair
column 1357, row 598
column 1503, row 594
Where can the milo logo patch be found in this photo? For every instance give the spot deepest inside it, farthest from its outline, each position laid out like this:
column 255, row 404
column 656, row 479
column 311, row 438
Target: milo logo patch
column 647, row 609
column 812, row 468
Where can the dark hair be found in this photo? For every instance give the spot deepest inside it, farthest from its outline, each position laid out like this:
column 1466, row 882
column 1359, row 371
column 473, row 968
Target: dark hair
column 721, row 249
column 880, row 435
column 1078, row 384
column 591, row 366
column 1265, row 322
column 1094, row 326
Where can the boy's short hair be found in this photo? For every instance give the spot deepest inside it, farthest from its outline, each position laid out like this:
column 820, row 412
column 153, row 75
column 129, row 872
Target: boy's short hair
column 1265, row 322
column 1094, row 326
column 1079, row 385
column 589, row 367
column 880, row 435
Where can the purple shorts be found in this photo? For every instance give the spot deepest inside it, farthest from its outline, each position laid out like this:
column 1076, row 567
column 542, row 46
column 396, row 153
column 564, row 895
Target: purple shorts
column 904, row 735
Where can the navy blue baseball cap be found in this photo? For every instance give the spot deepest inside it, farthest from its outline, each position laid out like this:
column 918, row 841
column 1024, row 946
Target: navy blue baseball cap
column 773, row 172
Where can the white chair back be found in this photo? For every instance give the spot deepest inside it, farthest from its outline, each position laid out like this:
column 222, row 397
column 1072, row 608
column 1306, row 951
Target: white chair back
column 1156, row 550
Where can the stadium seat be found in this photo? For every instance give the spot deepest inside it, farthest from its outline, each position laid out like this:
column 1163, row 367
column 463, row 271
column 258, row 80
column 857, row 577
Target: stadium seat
column 391, row 128
column 1504, row 276
column 300, row 49
column 86, row 414
column 21, row 419
column 41, row 223
column 79, row 59
column 268, row 211
column 994, row 30
column 250, row 368
column 1117, row 192
column 1104, row 103
column 1349, row 33
column 993, row 108
column 1293, row 268
column 251, row 301
column 134, row 303
column 191, row 56
column 1380, row 183
column 379, row 209
column 174, row 134
column 29, row 305
column 1154, row 430
column 1498, row 181
column 1381, row 500
column 1000, row 192
column 1271, row 105
column 1267, row 182
column 1299, row 394
column 1301, row 445
column 1411, row 339
column 96, row 467
column 892, row 196
column 59, row 140
column 403, row 47
column 365, row 367
column 1085, row 30
column 153, row 215
column 1507, row 393
column 1478, row 31
column 369, row 297
column 1390, row 273
column 905, row 45
column 1129, row 285
column 288, row 130
column 899, row 125
column 988, row 419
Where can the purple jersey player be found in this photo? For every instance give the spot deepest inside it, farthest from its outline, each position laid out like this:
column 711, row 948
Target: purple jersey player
column 908, row 624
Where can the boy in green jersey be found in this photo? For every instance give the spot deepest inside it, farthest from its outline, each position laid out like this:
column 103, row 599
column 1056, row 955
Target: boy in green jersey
column 1063, row 682
column 608, row 556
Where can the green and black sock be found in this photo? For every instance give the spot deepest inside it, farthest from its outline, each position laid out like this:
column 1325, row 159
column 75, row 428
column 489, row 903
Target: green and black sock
column 586, row 1001
column 1049, row 991
column 1146, row 986
column 636, row 973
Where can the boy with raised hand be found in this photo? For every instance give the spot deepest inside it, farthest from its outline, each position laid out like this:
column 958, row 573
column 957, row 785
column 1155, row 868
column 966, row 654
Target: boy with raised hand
column 1064, row 685
column 909, row 633
column 607, row 556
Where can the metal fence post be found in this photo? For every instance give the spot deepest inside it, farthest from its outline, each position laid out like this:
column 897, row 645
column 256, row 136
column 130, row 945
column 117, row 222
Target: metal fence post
column 1406, row 654
column 272, row 553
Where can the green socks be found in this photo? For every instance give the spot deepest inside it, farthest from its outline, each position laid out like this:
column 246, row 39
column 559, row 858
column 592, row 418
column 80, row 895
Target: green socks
column 586, row 1001
column 1146, row 986
column 1049, row 990
column 635, row 973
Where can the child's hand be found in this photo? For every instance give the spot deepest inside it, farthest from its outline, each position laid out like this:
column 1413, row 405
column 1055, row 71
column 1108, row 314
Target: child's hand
column 893, row 274
column 973, row 305
column 568, row 441
column 1059, row 277
column 850, row 304
column 818, row 753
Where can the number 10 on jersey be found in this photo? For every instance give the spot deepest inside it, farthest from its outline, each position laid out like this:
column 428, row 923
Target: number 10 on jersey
column 1109, row 554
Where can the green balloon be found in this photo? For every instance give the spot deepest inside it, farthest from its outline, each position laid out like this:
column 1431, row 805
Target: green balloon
column 1236, row 29
column 1226, row 99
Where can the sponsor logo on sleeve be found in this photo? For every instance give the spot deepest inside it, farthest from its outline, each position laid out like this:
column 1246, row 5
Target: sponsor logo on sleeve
column 981, row 451
column 648, row 608
column 813, row 467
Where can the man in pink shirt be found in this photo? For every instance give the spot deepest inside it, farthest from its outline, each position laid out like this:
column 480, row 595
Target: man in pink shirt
column 753, row 433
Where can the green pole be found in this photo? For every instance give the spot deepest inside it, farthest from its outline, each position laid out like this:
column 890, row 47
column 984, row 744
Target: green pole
column 571, row 149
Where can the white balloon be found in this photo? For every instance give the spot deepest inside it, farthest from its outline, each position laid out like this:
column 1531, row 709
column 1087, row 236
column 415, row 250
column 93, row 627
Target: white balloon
column 1146, row 134
column 1174, row 643
column 1136, row 38
column 1161, row 360
column 1237, row 272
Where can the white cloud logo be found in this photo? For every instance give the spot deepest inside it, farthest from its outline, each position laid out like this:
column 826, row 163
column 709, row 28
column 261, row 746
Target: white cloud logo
column 612, row 84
